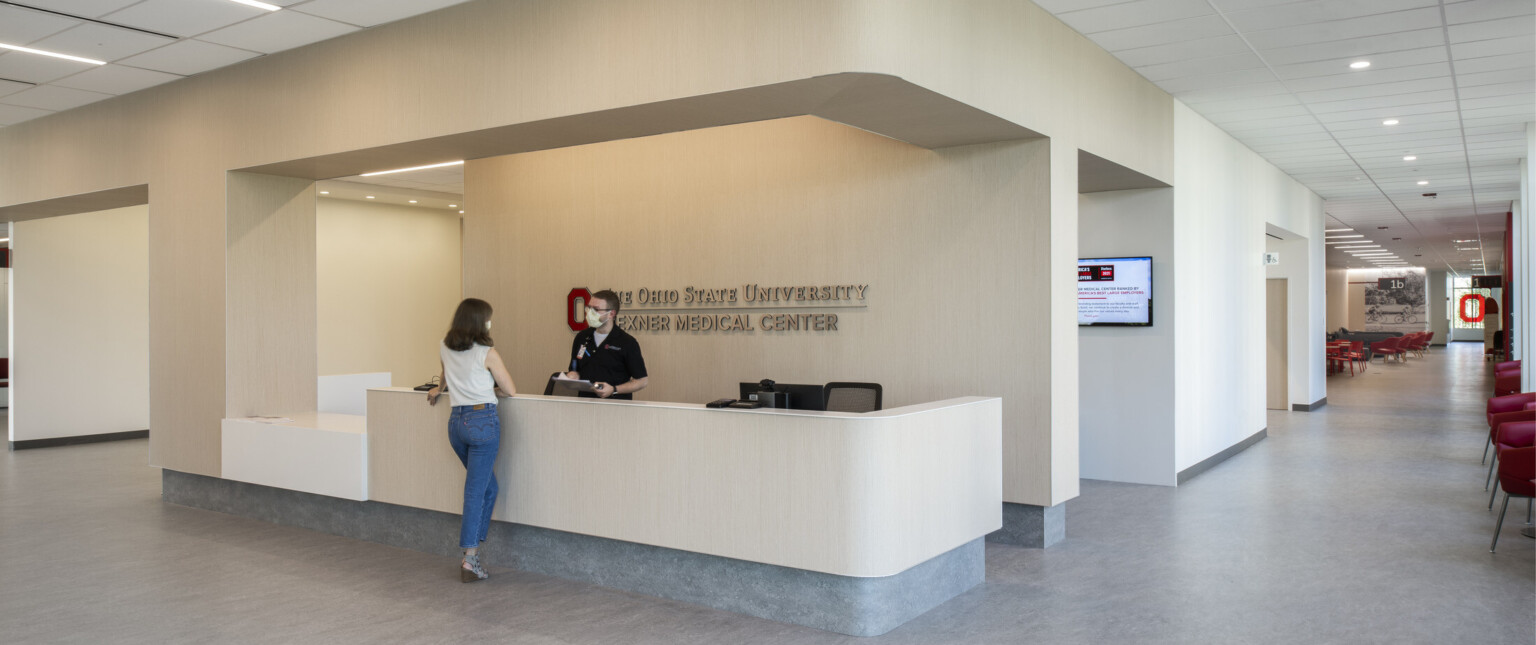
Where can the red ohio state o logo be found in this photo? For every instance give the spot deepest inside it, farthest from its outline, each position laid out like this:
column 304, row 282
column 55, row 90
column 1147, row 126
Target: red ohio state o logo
column 1461, row 307
column 577, row 324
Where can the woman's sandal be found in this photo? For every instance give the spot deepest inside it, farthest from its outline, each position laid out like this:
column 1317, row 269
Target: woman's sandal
column 471, row 570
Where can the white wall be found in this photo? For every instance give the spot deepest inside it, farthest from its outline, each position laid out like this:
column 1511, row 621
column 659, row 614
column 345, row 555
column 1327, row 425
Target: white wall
column 388, row 278
column 1125, row 383
column 80, row 322
column 1224, row 194
column 1438, row 295
column 1305, row 317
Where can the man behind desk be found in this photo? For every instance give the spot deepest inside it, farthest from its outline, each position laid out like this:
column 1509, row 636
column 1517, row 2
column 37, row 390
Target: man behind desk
column 605, row 355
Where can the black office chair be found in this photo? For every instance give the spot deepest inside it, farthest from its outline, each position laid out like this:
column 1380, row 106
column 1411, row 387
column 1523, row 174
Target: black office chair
column 852, row 397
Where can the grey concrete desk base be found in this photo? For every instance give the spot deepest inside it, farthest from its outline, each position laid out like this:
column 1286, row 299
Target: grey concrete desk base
column 843, row 604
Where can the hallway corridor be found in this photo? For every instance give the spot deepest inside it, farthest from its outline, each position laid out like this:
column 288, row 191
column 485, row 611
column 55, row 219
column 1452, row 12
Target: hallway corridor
column 1362, row 522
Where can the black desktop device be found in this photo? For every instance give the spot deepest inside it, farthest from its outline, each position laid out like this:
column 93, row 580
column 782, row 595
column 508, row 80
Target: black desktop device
column 794, row 396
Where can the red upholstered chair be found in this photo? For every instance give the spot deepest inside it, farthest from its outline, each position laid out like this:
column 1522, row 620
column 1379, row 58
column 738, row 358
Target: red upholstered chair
column 1502, row 404
column 1387, row 347
column 1506, row 365
column 1510, row 434
column 1500, row 418
column 1517, row 467
column 1506, row 384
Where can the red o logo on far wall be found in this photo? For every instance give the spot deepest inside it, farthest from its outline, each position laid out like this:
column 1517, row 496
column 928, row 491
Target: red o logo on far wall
column 1476, row 300
column 577, row 323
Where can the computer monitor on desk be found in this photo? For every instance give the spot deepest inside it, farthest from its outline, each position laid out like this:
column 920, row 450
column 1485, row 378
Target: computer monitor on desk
column 801, row 397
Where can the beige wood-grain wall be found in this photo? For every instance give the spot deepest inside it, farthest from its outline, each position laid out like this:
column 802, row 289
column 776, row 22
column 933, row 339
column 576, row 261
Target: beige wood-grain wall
column 490, row 63
column 953, row 243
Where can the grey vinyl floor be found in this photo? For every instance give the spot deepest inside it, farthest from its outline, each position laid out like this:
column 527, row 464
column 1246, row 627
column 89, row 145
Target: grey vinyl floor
column 1362, row 522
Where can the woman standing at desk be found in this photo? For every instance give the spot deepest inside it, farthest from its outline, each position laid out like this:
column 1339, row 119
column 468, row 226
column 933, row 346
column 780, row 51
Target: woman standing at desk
column 472, row 372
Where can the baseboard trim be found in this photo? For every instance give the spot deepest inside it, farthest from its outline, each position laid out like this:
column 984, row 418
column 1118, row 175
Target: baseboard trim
column 55, row 442
column 1308, row 407
column 1210, row 462
column 842, row 604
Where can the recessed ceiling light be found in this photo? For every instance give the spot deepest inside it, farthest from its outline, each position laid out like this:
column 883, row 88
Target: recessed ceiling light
column 1410, row 158
column 1381, row 228
column 461, row 212
column 413, row 201
column 370, row 196
column 1423, row 182
column 1389, row 122
column 436, row 165
column 1340, row 237
column 1463, row 241
column 29, row 50
column 1337, row 230
column 1360, row 64
column 453, row 206
column 325, row 192
column 1360, row 246
column 258, row 5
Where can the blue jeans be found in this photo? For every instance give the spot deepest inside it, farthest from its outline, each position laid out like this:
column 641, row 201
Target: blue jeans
column 476, row 437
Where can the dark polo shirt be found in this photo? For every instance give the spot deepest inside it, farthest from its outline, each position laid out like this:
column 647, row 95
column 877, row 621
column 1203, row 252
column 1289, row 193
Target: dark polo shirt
column 616, row 362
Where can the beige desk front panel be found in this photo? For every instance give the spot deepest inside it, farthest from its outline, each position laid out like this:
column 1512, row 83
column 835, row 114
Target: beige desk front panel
column 848, row 494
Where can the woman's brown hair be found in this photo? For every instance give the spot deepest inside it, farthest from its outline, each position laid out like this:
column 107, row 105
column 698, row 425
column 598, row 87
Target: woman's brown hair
column 469, row 325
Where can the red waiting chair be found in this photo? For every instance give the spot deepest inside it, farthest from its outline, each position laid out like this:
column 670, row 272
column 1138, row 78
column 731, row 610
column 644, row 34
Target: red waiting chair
column 1356, row 354
column 1499, row 367
column 1516, row 470
column 1387, row 347
column 1506, row 384
column 1510, row 434
column 1503, row 405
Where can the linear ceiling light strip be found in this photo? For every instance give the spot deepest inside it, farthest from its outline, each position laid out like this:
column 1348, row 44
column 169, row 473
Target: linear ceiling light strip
column 1461, row 124
column 1324, row 126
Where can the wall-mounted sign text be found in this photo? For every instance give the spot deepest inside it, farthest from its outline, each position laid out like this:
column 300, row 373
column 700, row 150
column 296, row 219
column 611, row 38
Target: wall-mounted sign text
column 750, row 307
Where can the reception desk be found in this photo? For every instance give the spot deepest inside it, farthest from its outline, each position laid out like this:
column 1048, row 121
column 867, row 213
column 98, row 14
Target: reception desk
column 858, row 497
column 853, row 523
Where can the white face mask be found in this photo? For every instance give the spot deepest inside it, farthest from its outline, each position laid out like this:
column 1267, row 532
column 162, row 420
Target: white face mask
column 594, row 319
column 487, row 325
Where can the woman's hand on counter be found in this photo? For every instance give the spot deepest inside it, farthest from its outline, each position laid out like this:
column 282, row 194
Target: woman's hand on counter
column 432, row 395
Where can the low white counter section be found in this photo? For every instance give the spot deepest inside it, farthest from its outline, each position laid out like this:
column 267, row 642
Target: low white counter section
column 859, row 495
column 314, row 452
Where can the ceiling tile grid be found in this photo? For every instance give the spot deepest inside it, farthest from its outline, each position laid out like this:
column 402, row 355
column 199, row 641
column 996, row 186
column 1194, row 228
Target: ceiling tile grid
column 149, row 42
column 1457, row 80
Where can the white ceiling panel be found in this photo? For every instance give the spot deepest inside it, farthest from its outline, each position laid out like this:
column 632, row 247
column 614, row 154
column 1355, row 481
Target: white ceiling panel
column 183, row 17
column 1340, row 65
column 116, row 79
column 20, row 26
column 52, row 97
column 1354, row 48
column 84, row 8
column 1500, row 76
column 188, row 57
column 1250, row 103
column 278, row 31
column 1177, row 51
column 1524, row 98
column 1496, row 47
column 1320, row 13
column 367, row 13
column 1195, row 97
column 18, row 66
column 1377, row 90
column 1369, row 77
column 1438, row 96
column 1202, row 66
column 1390, row 23
column 12, row 87
column 101, row 42
column 1132, row 14
column 1163, row 33
column 12, row 114
column 1245, row 77
column 1062, row 6
column 1492, row 29
column 1492, row 63
column 1480, row 10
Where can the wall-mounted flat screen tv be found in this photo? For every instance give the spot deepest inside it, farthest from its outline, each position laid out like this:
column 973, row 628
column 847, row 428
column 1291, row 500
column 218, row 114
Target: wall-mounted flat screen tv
column 1114, row 291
